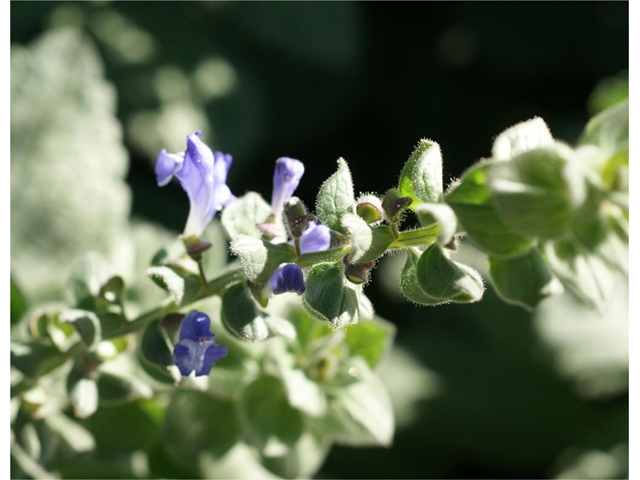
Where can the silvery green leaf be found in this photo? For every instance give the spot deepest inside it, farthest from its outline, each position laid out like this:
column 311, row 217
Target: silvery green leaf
column 335, row 197
column 84, row 396
column 247, row 320
column 242, row 215
column 267, row 420
column 156, row 352
column 88, row 274
column 581, row 271
column 115, row 389
column 476, row 211
column 86, row 323
column 77, row 437
column 303, row 393
column 447, row 280
column 609, row 130
column 260, row 258
column 198, row 424
column 409, row 281
column 68, row 164
column 360, row 413
column 241, row 461
column 441, row 214
column 304, row 458
column 181, row 285
column 421, row 177
column 521, row 138
column 370, row 340
column 330, row 297
column 367, row 243
column 523, row 280
column 530, row 192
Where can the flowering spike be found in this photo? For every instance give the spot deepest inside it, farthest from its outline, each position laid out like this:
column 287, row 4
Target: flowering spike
column 286, row 178
column 203, row 175
column 287, row 278
column 197, row 349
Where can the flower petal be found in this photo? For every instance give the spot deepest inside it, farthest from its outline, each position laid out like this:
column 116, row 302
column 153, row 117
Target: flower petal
column 195, row 326
column 287, row 278
column 286, row 178
column 316, row 238
column 167, row 164
column 189, row 355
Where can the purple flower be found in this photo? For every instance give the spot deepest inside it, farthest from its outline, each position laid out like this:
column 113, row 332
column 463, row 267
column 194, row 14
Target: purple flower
column 203, row 175
column 316, row 238
column 196, row 349
column 286, row 178
column 287, row 278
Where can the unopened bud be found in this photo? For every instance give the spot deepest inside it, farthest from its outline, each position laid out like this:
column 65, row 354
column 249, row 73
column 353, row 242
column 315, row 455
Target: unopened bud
column 357, row 273
column 295, row 217
column 394, row 205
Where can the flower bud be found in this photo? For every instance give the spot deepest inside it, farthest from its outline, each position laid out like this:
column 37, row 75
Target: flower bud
column 295, row 217
column 357, row 273
column 369, row 208
column 394, row 205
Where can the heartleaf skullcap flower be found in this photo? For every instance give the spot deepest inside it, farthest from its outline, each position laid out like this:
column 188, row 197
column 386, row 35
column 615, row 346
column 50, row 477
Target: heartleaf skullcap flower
column 203, row 175
column 316, row 238
column 196, row 349
column 287, row 278
column 286, row 178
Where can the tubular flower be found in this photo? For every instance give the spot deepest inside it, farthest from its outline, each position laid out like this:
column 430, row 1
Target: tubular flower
column 286, row 178
column 197, row 349
column 203, row 175
column 287, row 278
column 316, row 238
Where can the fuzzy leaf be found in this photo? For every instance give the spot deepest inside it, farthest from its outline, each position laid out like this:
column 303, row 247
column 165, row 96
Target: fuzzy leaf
column 335, row 198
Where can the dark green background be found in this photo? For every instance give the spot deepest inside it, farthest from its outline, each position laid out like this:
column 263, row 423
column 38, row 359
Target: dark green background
column 366, row 81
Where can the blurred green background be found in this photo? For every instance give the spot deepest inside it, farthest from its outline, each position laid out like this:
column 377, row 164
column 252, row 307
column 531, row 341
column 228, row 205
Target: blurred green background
column 500, row 393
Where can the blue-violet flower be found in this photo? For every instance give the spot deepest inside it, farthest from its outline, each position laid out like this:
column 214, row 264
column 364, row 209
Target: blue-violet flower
column 197, row 349
column 287, row 278
column 286, row 178
column 203, row 175
column 316, row 238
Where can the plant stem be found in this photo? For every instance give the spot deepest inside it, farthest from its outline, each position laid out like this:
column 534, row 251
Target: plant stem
column 413, row 238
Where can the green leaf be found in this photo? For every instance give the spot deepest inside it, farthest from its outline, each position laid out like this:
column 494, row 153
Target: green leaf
column 87, row 277
column 335, row 198
column 370, row 340
column 303, row 393
column 115, row 389
column 367, row 243
column 360, row 413
column 241, row 216
column 609, row 130
column 476, row 211
column 83, row 393
column 18, row 302
column 198, row 423
column 440, row 214
column 421, row 177
column 243, row 317
column 86, row 323
column 304, row 458
column 266, row 418
column 241, row 461
column 68, row 163
column 409, row 281
column 181, row 287
column 521, row 138
column 330, row 297
column 582, row 272
column 156, row 351
column 531, row 194
column 524, row 280
column 74, row 435
column 446, row 280
column 260, row 258
column 609, row 92
column 36, row 358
